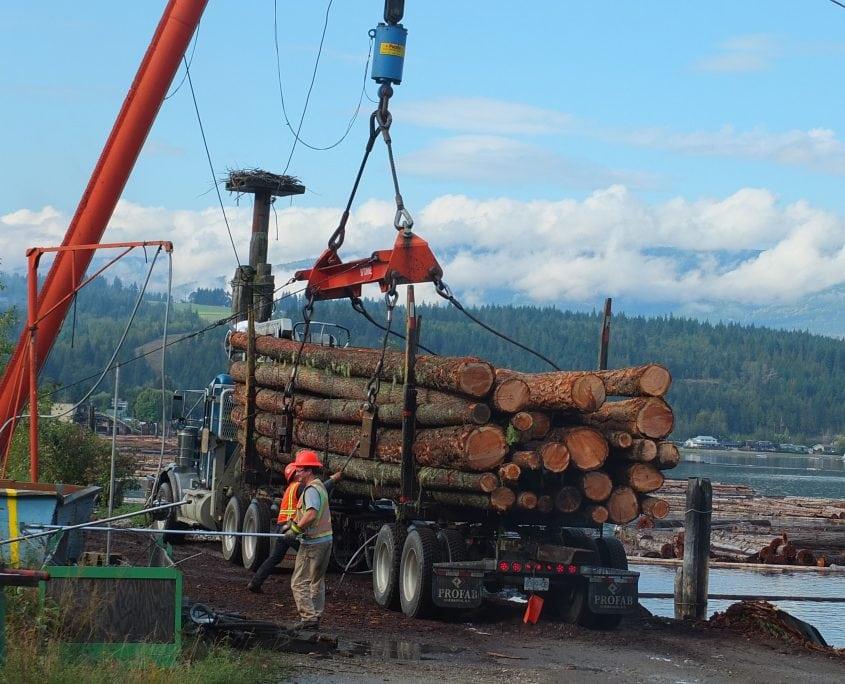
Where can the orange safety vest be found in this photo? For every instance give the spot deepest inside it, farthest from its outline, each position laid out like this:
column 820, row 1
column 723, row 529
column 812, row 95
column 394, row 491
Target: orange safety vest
column 322, row 526
column 289, row 504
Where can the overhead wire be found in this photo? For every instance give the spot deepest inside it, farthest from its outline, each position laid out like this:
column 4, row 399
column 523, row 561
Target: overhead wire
column 190, row 61
column 210, row 164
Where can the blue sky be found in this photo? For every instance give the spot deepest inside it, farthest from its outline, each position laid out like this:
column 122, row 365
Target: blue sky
column 706, row 135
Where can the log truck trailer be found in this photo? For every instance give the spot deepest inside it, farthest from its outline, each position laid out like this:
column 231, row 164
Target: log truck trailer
column 427, row 558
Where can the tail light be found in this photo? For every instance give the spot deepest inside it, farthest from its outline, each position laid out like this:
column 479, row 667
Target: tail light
column 572, row 569
column 504, row 566
column 517, row 567
column 560, row 568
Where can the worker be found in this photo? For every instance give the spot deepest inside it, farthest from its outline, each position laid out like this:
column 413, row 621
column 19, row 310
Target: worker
column 312, row 527
column 287, row 510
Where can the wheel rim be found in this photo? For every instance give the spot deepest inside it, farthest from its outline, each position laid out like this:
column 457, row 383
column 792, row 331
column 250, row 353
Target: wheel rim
column 410, row 574
column 382, row 567
column 229, row 526
column 249, row 543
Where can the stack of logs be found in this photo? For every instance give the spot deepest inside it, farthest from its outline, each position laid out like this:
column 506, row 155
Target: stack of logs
column 486, row 438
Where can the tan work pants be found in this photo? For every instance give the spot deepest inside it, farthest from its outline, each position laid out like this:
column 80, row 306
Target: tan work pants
column 308, row 582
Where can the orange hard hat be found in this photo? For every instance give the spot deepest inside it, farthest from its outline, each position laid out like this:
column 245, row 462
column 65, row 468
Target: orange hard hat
column 307, row 459
column 290, row 469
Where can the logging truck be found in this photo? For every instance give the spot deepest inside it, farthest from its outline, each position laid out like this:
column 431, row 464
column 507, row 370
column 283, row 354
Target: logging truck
column 428, row 556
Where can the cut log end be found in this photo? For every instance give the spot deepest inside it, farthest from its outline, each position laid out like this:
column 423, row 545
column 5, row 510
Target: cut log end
column 622, row 506
column 487, row 482
column 587, row 448
column 597, row 514
column 476, row 378
column 668, row 456
column 509, row 473
column 511, row 395
column 545, row 504
column 568, row 500
column 596, row 486
column 619, row 439
column 655, row 380
column 654, row 507
column 522, row 421
column 588, row 392
column 555, row 457
column 655, row 419
column 502, row 499
column 486, row 447
column 480, row 414
column 526, row 460
column 526, row 501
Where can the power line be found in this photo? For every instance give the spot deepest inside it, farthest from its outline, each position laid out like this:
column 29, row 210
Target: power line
column 210, row 164
column 190, row 61
column 836, row 2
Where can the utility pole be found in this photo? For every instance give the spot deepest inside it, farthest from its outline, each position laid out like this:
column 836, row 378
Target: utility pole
column 113, row 453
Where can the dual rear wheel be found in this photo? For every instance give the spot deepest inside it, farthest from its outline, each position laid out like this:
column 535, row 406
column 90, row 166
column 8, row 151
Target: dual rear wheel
column 243, row 515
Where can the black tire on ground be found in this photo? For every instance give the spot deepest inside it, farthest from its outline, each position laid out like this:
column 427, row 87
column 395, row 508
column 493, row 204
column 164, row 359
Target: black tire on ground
column 386, row 559
column 419, row 554
column 165, row 495
column 612, row 554
column 453, row 548
column 569, row 597
column 233, row 521
column 254, row 550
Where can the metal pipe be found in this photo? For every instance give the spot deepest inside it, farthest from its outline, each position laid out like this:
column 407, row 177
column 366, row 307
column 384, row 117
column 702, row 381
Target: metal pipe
column 32, row 322
column 111, row 465
column 147, row 530
column 68, row 528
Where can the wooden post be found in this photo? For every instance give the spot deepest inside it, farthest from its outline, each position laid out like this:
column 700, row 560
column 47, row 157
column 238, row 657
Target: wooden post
column 604, row 341
column 695, row 569
column 409, row 409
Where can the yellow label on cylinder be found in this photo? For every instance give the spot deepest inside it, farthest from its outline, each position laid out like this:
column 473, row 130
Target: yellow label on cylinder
column 392, row 49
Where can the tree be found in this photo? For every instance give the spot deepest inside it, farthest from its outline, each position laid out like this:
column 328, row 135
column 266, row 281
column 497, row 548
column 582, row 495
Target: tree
column 214, row 297
column 147, row 406
column 7, row 320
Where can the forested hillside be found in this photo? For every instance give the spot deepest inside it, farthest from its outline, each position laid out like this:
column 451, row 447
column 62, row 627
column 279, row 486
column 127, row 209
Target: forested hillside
column 729, row 380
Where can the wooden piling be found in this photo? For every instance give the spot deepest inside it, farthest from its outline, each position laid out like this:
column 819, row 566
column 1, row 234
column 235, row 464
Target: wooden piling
column 694, row 572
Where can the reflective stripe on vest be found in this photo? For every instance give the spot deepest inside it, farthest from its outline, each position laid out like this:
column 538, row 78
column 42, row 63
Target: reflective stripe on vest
column 322, row 526
column 289, row 504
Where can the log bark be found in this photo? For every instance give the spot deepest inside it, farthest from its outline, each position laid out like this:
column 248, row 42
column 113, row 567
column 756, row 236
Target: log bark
column 555, row 456
column 640, row 451
column 509, row 473
column 558, row 390
column 445, row 410
column 641, row 417
column 667, row 457
column 622, row 506
column 654, row 506
column 587, row 447
column 641, row 477
column 465, row 375
column 618, row 440
column 651, row 380
column 456, row 499
column 595, row 486
column 596, row 513
column 545, row 504
column 526, row 501
column 381, row 474
column 568, row 499
column 500, row 500
column 527, row 460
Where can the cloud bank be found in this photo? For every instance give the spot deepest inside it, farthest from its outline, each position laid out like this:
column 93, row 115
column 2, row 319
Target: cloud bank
column 744, row 248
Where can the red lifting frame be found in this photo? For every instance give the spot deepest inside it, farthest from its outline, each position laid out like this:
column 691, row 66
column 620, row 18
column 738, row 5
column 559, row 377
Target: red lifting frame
column 410, row 261
column 136, row 117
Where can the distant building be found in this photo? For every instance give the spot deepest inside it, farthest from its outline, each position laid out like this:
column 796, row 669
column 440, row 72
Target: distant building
column 64, row 412
column 702, row 442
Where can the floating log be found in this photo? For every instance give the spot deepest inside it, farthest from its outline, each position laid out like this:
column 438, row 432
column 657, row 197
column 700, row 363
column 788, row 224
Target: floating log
column 640, row 451
column 509, row 473
column 526, row 501
column 444, row 410
column 568, row 499
column 557, row 390
column 622, row 505
column 652, row 380
column 595, row 485
column 465, row 375
column 527, row 460
column 654, row 506
column 618, row 439
column 641, row 417
column 587, row 447
column 641, row 477
column 555, row 456
column 596, row 513
column 668, row 456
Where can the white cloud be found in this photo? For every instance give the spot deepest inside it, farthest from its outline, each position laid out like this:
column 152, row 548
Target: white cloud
column 744, row 248
column 483, row 115
column 740, row 54
column 497, row 160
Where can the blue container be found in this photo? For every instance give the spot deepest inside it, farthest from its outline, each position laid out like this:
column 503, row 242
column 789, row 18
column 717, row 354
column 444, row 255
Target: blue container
column 388, row 52
column 26, row 503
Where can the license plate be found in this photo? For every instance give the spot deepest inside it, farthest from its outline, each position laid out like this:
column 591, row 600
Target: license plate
column 451, row 591
column 535, row 584
column 612, row 594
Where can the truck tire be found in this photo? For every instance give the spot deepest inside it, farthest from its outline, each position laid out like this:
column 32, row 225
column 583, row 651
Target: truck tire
column 233, row 521
column 386, row 559
column 612, row 554
column 254, row 550
column 165, row 495
column 569, row 598
column 453, row 548
column 419, row 554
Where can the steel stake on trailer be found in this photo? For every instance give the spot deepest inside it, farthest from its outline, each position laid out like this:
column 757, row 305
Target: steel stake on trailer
column 409, row 408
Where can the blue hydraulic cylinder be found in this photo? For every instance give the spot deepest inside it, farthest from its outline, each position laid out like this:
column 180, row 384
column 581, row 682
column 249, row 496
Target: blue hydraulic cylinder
column 388, row 52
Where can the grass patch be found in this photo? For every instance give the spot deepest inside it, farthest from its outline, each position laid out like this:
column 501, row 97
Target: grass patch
column 32, row 656
column 207, row 312
column 102, row 511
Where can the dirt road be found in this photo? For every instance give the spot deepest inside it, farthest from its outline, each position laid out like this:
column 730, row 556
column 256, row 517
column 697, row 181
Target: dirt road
column 491, row 645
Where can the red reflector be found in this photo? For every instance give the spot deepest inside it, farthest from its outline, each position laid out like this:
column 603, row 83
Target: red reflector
column 504, row 566
column 528, row 567
column 560, row 568
column 517, row 567
column 572, row 569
